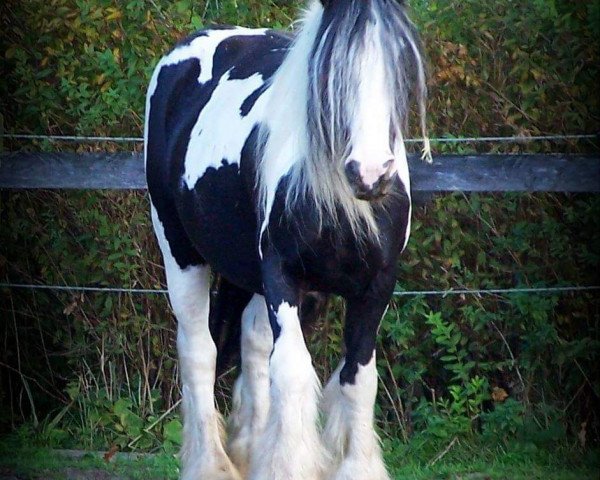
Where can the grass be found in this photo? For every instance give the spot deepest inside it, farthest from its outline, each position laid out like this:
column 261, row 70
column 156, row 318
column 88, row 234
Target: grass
column 26, row 462
column 460, row 462
column 474, row 462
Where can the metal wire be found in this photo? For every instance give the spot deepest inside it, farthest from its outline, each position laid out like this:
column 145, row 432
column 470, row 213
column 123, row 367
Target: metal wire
column 75, row 288
column 504, row 139
column 498, row 291
column 491, row 291
column 71, row 138
column 84, row 138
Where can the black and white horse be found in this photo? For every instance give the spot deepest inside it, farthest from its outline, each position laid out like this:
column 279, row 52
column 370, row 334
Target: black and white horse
column 279, row 164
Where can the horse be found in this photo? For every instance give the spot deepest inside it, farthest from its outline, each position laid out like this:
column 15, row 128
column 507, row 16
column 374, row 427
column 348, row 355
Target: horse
column 277, row 163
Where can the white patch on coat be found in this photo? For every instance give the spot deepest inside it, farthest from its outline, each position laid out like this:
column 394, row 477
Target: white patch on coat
column 251, row 391
column 202, row 453
column 290, row 447
column 349, row 432
column 221, row 131
column 202, row 48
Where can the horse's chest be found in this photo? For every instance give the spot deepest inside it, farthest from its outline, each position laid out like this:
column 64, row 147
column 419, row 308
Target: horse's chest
column 339, row 267
column 342, row 273
column 330, row 258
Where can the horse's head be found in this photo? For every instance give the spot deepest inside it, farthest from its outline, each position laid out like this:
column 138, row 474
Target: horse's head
column 338, row 110
column 364, row 62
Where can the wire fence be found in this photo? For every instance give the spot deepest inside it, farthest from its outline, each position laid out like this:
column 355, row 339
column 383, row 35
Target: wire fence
column 449, row 139
column 399, row 293
column 443, row 293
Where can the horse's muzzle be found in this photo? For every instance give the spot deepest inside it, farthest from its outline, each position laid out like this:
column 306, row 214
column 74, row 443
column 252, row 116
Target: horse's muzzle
column 373, row 191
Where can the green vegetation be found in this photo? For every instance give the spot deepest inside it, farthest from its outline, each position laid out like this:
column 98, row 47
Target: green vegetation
column 507, row 380
column 518, row 462
column 43, row 463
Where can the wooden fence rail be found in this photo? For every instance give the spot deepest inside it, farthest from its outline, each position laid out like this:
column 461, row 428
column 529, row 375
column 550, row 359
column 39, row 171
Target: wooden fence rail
column 467, row 173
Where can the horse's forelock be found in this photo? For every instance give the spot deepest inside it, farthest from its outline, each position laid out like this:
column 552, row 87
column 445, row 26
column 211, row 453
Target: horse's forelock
column 348, row 29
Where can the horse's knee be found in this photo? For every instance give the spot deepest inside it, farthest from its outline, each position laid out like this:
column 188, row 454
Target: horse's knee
column 189, row 293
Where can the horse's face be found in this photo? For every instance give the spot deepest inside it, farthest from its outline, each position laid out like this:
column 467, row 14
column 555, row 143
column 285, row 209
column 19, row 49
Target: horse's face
column 370, row 163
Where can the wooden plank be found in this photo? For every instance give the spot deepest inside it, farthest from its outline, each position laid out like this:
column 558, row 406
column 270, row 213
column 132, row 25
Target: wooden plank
column 508, row 173
column 115, row 171
column 467, row 173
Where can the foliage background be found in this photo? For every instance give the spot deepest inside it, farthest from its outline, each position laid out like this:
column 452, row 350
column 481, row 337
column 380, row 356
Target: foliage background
column 99, row 370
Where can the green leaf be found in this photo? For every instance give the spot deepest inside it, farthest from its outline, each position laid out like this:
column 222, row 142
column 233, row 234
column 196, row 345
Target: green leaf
column 173, row 432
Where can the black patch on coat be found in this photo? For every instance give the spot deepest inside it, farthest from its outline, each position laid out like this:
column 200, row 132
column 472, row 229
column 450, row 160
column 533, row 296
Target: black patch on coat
column 171, row 121
column 251, row 100
column 227, row 304
column 247, row 55
column 220, row 220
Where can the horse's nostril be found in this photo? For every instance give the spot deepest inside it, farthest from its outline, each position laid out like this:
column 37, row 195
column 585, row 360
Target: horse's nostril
column 388, row 165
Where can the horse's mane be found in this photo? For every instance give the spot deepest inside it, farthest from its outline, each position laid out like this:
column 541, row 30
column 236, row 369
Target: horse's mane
column 312, row 102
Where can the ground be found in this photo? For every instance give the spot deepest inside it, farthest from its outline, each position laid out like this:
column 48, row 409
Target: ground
column 516, row 462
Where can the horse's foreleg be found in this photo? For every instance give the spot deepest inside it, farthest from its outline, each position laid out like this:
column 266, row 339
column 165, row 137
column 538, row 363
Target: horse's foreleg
column 202, row 455
column 349, row 397
column 290, row 447
column 251, row 391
